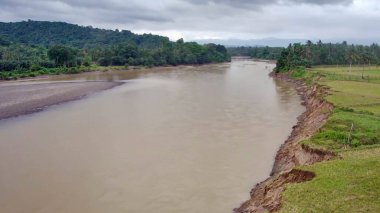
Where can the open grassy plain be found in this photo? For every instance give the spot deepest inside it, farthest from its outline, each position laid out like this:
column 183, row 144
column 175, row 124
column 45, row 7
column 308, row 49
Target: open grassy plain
column 349, row 183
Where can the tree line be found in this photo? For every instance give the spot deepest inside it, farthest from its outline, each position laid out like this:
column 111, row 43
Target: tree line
column 320, row 53
column 310, row 54
column 267, row 53
column 32, row 46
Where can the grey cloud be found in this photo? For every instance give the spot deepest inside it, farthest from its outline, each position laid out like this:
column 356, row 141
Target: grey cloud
column 193, row 19
column 113, row 11
column 323, row 2
column 259, row 3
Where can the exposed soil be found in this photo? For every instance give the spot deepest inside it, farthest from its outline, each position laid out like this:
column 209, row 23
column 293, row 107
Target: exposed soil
column 24, row 98
column 266, row 196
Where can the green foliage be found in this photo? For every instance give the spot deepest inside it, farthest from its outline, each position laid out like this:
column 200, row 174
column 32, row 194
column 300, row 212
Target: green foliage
column 311, row 54
column 52, row 33
column 266, row 53
column 62, row 55
column 118, row 61
column 73, row 70
column 4, row 41
column 104, row 61
column 29, row 46
column 14, row 65
column 87, row 62
column 35, row 67
column 298, row 72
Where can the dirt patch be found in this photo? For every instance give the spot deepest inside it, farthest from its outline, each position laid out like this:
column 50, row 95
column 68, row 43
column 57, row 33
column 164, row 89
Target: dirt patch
column 266, row 196
column 268, row 193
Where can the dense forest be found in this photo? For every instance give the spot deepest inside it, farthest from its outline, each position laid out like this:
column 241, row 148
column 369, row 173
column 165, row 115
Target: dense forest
column 50, row 33
column 32, row 48
column 267, row 53
column 309, row 54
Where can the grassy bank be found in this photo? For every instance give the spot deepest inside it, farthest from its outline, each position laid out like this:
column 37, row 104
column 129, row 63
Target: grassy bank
column 350, row 182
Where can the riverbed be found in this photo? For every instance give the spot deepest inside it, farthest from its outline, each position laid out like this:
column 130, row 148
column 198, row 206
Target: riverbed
column 180, row 139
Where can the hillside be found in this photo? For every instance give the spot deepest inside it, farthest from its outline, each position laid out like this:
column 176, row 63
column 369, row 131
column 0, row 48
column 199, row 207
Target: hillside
column 32, row 48
column 50, row 33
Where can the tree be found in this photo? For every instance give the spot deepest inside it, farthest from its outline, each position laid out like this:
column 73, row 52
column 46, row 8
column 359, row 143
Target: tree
column 351, row 56
column 62, row 55
column 127, row 51
column 104, row 61
column 87, row 62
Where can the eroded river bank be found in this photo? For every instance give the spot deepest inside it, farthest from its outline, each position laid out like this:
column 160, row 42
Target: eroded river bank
column 186, row 139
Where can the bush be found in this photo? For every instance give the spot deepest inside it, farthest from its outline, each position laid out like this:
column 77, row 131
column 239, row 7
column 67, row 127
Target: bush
column 35, row 67
column 14, row 65
column 105, row 62
column 299, row 72
column 73, row 70
column 117, row 61
column 355, row 143
column 132, row 61
column 47, row 64
column 87, row 63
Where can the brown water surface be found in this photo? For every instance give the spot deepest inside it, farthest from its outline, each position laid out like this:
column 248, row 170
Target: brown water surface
column 183, row 139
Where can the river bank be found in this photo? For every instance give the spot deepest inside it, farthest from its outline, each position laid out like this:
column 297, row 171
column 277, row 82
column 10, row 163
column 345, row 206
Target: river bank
column 266, row 196
column 20, row 98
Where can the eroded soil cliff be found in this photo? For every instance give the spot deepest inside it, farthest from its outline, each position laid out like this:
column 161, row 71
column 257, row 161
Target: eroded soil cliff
column 266, row 196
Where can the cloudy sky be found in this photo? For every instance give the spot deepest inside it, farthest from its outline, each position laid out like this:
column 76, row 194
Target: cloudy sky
column 211, row 19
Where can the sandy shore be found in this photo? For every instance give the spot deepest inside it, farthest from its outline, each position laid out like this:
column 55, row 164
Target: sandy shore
column 19, row 98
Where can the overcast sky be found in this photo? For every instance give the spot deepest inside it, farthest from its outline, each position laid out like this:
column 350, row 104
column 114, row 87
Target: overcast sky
column 205, row 19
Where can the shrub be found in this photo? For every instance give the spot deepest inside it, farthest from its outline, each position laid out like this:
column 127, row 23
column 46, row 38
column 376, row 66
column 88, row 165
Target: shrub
column 298, row 72
column 104, row 61
column 118, row 61
column 355, row 143
column 35, row 67
column 47, row 64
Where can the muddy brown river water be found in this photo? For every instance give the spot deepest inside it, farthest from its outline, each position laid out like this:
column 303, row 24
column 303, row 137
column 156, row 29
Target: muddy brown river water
column 185, row 139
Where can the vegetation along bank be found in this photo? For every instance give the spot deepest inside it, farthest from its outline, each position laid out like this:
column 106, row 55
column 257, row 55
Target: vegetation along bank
column 330, row 161
column 31, row 48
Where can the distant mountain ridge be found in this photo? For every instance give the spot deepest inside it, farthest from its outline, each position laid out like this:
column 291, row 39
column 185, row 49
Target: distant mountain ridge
column 278, row 42
column 50, row 33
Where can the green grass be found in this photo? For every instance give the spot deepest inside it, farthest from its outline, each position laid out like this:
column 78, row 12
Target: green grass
column 349, row 183
column 354, row 94
column 363, row 74
column 334, row 134
column 372, row 71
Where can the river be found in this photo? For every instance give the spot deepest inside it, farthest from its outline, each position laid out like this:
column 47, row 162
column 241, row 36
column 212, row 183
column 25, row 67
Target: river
column 185, row 139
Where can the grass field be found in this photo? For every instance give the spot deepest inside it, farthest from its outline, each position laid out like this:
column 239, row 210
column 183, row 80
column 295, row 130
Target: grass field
column 347, row 185
column 358, row 73
column 350, row 183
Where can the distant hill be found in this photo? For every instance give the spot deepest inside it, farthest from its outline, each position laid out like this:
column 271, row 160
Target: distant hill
column 31, row 48
column 271, row 42
column 278, row 42
column 50, row 33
